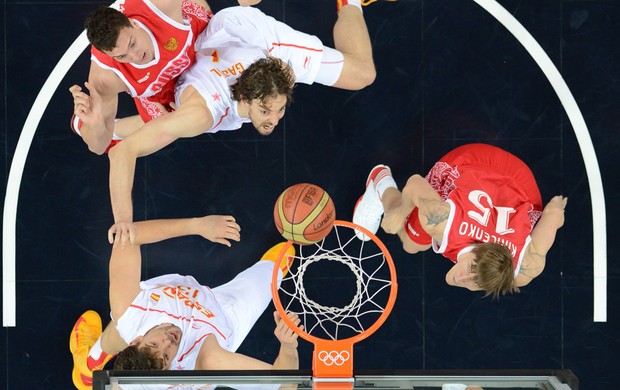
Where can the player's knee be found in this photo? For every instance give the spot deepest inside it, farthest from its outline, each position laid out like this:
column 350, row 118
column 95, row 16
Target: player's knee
column 412, row 247
column 97, row 149
column 367, row 76
column 371, row 74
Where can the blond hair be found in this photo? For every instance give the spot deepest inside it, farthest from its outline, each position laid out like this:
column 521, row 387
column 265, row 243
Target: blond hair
column 493, row 268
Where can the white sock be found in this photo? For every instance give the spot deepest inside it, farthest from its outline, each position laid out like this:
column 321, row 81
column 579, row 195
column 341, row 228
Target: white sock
column 96, row 350
column 384, row 183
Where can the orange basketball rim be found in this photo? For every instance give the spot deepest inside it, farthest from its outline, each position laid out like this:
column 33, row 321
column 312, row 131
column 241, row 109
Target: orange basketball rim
column 333, row 355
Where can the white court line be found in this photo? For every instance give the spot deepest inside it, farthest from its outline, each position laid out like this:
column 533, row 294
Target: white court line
column 599, row 227
column 15, row 175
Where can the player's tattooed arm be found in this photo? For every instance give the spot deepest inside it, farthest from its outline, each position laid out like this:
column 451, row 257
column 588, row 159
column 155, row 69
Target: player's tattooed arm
column 435, row 211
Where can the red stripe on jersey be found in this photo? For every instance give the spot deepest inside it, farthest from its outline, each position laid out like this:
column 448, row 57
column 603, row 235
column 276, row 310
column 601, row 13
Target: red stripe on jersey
column 296, row 46
column 221, row 118
column 194, row 345
column 182, row 318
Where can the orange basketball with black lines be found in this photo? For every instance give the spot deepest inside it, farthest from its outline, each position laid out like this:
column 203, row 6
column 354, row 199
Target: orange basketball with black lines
column 304, row 213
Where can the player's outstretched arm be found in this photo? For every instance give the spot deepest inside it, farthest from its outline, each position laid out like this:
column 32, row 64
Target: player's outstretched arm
column 125, row 268
column 213, row 357
column 216, row 228
column 189, row 120
column 543, row 236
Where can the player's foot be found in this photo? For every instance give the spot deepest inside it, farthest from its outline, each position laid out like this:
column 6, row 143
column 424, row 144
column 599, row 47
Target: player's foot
column 369, row 209
column 286, row 262
column 76, row 126
column 84, row 334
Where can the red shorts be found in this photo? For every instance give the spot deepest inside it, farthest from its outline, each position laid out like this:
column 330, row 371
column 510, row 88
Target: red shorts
column 149, row 110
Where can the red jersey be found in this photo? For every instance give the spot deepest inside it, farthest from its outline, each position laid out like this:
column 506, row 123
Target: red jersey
column 497, row 202
column 174, row 49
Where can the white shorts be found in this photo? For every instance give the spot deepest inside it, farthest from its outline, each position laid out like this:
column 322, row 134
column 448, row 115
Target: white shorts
column 303, row 52
column 245, row 298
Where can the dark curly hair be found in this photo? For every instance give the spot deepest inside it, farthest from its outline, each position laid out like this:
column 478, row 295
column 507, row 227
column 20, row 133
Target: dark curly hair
column 494, row 270
column 103, row 27
column 135, row 358
column 263, row 79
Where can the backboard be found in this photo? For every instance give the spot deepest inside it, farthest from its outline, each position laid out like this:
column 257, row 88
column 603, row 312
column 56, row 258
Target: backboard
column 302, row 379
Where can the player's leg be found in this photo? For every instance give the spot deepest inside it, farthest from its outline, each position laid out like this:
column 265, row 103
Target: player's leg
column 351, row 38
column 123, row 127
column 245, row 298
column 370, row 208
column 349, row 66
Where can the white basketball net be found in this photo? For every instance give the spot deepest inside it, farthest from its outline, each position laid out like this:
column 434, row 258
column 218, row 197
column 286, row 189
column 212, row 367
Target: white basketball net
column 367, row 263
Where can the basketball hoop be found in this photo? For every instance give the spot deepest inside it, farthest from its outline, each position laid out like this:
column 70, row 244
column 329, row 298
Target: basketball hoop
column 334, row 328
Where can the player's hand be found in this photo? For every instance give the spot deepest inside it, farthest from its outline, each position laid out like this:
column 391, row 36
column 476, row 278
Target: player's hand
column 558, row 201
column 219, row 228
column 122, row 233
column 394, row 221
column 81, row 102
column 87, row 107
column 557, row 204
column 248, row 2
column 285, row 335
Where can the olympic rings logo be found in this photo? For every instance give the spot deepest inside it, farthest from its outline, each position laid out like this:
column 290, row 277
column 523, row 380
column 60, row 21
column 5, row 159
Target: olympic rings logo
column 334, row 357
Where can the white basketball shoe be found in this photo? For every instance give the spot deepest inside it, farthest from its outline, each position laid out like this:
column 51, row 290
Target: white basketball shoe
column 369, row 209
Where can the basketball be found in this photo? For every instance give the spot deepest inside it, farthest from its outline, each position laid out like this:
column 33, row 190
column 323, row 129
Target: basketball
column 304, row 213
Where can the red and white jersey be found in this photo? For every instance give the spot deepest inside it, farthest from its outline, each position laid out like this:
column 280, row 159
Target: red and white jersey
column 181, row 301
column 486, row 205
column 174, row 48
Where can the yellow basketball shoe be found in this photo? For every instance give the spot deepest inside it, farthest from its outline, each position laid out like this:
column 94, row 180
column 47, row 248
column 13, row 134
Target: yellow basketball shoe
column 286, row 262
column 84, row 334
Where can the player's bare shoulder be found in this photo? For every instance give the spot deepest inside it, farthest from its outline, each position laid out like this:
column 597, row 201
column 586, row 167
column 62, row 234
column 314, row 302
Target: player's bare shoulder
column 172, row 8
column 105, row 81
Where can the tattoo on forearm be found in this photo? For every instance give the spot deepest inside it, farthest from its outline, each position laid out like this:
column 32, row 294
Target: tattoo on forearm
column 434, row 212
column 523, row 271
column 531, row 271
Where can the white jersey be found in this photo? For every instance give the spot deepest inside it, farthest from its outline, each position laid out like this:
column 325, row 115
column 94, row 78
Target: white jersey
column 183, row 302
column 235, row 38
